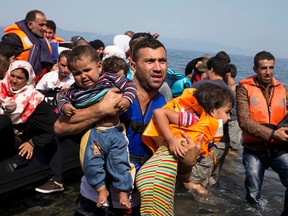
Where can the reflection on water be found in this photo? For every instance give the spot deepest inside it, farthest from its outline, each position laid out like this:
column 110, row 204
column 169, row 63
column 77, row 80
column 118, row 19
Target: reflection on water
column 227, row 198
column 27, row 202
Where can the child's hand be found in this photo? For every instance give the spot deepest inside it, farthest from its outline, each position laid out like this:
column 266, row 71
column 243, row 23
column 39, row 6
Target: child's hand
column 65, row 87
column 177, row 146
column 68, row 109
column 123, row 105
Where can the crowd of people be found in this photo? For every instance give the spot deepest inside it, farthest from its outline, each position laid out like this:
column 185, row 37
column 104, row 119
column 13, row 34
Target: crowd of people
column 137, row 140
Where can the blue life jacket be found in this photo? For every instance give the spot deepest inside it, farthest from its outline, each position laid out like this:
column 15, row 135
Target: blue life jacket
column 135, row 124
column 177, row 82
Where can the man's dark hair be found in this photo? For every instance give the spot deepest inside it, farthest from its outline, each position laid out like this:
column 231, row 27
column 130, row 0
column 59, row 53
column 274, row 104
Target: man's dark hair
column 7, row 50
column 262, row 56
column 220, row 67
column 64, row 53
column 208, row 97
column 51, row 24
column 233, row 70
column 145, row 43
column 31, row 16
column 223, row 56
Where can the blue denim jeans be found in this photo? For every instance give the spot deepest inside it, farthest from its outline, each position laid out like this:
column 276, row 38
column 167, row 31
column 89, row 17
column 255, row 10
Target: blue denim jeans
column 255, row 164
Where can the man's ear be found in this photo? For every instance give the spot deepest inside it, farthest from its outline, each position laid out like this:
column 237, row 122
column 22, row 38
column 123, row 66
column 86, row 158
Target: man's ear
column 255, row 69
column 133, row 66
column 29, row 25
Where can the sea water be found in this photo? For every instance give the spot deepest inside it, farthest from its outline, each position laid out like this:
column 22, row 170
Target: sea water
column 227, row 197
column 178, row 59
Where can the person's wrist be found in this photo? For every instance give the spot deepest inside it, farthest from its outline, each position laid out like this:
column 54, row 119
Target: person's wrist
column 31, row 142
column 272, row 136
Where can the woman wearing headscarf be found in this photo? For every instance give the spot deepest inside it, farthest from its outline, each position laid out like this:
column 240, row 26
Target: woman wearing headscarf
column 31, row 117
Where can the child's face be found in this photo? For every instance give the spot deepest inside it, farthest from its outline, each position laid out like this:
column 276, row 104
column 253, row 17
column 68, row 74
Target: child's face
column 49, row 34
column 222, row 112
column 86, row 72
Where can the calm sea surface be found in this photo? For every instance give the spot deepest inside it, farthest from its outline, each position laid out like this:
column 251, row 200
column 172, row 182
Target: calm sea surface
column 178, row 59
column 227, row 198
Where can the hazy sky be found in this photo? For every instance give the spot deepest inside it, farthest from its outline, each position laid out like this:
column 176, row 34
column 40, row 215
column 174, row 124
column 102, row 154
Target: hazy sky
column 250, row 24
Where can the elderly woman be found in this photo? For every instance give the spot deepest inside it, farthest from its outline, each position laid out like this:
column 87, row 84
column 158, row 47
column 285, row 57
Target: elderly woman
column 31, row 118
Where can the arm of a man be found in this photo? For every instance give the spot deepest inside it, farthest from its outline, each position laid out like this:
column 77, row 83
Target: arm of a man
column 86, row 117
column 245, row 122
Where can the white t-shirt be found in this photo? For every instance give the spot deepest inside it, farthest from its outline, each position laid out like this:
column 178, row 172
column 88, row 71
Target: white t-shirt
column 49, row 81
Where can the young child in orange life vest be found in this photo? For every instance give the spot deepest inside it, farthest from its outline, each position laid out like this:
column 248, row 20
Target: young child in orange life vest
column 196, row 112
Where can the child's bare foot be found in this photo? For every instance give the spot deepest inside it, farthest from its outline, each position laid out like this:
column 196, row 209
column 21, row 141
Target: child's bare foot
column 124, row 199
column 196, row 187
column 102, row 196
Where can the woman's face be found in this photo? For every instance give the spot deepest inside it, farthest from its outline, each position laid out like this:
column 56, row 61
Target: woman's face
column 17, row 79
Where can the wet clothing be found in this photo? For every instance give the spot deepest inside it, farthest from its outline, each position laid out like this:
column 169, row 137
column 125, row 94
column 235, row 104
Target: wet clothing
column 222, row 147
column 256, row 163
column 157, row 177
column 135, row 124
column 260, row 150
column 106, row 147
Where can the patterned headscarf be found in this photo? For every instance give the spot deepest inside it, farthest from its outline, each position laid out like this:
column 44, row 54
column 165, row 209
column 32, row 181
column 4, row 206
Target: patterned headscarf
column 27, row 98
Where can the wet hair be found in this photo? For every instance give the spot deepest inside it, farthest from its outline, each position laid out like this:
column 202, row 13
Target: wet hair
column 64, row 53
column 211, row 96
column 114, row 64
column 145, row 43
column 263, row 55
column 233, row 70
column 51, row 25
column 223, row 56
column 31, row 16
column 78, row 52
column 220, row 67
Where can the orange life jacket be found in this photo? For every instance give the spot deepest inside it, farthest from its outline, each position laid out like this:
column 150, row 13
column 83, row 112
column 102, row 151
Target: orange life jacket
column 58, row 39
column 262, row 111
column 206, row 125
column 27, row 45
